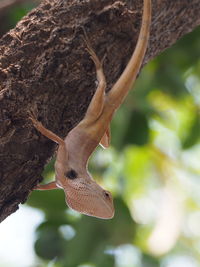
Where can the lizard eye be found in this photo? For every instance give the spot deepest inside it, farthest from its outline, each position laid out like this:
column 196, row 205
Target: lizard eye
column 107, row 194
column 71, row 174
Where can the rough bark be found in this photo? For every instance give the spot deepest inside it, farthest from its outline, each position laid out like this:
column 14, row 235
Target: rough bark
column 44, row 67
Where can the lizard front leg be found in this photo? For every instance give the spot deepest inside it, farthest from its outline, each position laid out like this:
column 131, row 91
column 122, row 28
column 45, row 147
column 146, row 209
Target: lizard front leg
column 49, row 186
column 38, row 125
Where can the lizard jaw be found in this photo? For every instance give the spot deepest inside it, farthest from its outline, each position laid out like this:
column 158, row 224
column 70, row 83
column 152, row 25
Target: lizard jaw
column 88, row 198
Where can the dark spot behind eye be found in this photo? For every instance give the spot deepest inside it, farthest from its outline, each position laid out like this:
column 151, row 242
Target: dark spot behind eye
column 71, row 174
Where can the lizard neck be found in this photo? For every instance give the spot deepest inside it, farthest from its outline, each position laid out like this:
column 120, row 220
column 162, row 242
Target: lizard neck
column 80, row 146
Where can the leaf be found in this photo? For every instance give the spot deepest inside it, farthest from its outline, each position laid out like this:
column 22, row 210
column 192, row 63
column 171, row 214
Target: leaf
column 137, row 131
column 50, row 243
column 193, row 135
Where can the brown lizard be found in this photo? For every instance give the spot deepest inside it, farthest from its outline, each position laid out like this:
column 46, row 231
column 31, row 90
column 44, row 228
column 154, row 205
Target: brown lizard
column 82, row 193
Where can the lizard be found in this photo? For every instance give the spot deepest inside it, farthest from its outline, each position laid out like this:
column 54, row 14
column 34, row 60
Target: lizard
column 82, row 193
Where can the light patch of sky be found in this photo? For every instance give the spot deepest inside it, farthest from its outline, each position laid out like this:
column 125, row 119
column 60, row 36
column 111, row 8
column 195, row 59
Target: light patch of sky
column 144, row 210
column 17, row 237
column 179, row 261
column 126, row 255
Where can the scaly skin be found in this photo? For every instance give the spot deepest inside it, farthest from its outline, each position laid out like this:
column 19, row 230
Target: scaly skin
column 82, row 192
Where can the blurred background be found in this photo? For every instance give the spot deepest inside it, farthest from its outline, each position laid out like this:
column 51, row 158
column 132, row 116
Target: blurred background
column 152, row 169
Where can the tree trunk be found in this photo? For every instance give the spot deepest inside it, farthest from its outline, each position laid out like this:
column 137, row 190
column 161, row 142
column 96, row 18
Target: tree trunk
column 45, row 68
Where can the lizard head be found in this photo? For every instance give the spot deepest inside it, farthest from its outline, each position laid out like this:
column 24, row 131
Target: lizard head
column 86, row 196
column 82, row 193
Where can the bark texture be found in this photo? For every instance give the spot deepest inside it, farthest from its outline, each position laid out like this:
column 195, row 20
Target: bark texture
column 44, row 67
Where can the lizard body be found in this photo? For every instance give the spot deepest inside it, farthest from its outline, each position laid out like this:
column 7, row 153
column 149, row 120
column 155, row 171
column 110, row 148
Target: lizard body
column 82, row 192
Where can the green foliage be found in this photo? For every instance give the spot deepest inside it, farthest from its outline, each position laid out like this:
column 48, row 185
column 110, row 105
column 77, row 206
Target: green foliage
column 193, row 133
column 137, row 131
column 50, row 243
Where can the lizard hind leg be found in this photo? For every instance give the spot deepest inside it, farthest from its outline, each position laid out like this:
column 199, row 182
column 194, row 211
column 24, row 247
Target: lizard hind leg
column 97, row 103
column 105, row 140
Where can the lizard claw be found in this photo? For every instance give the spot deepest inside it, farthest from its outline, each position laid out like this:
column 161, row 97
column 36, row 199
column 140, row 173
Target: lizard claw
column 32, row 116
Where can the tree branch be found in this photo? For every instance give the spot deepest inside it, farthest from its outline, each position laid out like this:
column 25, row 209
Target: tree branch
column 44, row 67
